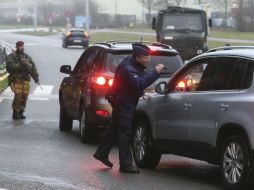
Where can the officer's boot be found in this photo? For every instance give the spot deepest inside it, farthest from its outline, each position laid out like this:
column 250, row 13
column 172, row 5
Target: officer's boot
column 21, row 115
column 16, row 115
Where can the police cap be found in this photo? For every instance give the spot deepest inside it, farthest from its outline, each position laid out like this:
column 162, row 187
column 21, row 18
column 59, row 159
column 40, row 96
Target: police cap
column 19, row 43
column 140, row 49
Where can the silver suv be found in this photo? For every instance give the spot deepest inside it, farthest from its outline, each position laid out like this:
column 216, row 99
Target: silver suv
column 206, row 112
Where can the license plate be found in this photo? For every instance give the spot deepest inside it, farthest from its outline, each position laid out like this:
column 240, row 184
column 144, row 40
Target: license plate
column 77, row 41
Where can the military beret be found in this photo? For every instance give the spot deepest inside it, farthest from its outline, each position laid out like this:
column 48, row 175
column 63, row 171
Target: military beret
column 141, row 49
column 19, row 43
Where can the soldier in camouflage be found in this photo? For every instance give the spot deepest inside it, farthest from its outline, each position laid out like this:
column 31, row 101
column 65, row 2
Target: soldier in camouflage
column 20, row 67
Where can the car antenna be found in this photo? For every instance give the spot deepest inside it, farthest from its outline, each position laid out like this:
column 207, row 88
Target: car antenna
column 141, row 40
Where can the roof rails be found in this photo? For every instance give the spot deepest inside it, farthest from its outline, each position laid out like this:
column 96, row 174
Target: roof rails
column 229, row 48
column 104, row 43
column 111, row 43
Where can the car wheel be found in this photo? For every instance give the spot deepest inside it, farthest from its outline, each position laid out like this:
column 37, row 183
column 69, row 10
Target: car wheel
column 86, row 130
column 144, row 153
column 235, row 162
column 65, row 45
column 65, row 121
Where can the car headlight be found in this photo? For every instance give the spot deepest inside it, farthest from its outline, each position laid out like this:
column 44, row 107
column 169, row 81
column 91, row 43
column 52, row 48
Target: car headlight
column 168, row 38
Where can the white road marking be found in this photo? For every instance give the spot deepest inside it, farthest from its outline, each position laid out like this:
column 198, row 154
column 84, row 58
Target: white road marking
column 41, row 92
column 3, row 189
column 37, row 94
column 8, row 91
column 31, row 44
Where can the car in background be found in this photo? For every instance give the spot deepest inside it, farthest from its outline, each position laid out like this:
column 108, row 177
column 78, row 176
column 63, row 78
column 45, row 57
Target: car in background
column 82, row 93
column 75, row 37
column 205, row 112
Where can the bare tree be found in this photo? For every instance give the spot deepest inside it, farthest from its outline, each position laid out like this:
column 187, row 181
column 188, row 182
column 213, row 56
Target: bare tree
column 148, row 4
column 178, row 2
column 78, row 7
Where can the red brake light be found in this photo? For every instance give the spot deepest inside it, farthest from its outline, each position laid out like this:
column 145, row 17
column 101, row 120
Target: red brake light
column 181, row 84
column 153, row 48
column 110, row 82
column 101, row 81
column 102, row 113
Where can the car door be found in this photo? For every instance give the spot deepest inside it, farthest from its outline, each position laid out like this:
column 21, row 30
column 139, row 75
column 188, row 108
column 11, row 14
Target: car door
column 68, row 85
column 173, row 111
column 80, row 79
column 216, row 98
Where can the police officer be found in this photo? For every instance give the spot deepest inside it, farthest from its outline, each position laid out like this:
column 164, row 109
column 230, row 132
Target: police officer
column 129, row 83
column 20, row 66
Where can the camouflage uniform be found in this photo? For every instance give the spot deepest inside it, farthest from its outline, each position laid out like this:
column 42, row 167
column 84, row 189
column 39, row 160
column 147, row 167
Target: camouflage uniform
column 19, row 78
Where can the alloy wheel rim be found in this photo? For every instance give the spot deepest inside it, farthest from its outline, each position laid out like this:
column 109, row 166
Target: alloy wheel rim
column 233, row 163
column 140, row 145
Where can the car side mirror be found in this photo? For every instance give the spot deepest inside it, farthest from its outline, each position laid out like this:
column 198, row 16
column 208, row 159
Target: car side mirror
column 210, row 22
column 161, row 87
column 65, row 69
column 154, row 23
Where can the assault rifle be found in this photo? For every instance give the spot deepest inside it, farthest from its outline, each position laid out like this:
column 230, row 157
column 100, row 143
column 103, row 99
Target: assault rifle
column 29, row 70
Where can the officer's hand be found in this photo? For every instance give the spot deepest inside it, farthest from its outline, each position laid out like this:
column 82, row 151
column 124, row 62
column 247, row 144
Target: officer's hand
column 159, row 67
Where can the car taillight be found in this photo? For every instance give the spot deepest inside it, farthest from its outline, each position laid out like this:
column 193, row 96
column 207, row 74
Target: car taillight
column 181, row 84
column 101, row 81
column 110, row 82
column 102, row 113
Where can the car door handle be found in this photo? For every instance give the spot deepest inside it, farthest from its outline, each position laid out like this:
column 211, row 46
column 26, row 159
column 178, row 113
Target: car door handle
column 224, row 106
column 187, row 106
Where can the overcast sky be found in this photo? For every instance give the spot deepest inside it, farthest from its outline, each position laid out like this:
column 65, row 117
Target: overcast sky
column 123, row 6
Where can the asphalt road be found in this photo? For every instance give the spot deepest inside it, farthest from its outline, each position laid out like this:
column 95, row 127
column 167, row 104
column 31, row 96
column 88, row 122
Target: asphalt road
column 34, row 154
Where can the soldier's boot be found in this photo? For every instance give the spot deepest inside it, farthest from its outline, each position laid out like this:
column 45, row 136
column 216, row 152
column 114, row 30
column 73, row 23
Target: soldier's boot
column 16, row 115
column 21, row 115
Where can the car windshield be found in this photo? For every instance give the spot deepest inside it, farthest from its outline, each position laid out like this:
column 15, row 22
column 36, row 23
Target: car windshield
column 77, row 32
column 172, row 62
column 184, row 23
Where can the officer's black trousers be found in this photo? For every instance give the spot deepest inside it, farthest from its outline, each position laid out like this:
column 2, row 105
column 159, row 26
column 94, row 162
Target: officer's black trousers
column 121, row 128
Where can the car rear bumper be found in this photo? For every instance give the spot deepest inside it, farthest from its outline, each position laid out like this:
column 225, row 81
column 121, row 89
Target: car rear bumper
column 100, row 115
column 80, row 42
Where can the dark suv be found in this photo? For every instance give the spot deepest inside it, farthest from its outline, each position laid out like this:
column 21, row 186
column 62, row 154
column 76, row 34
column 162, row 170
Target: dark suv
column 82, row 93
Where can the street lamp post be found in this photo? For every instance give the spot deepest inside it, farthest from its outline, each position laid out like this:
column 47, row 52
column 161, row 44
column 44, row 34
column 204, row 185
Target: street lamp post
column 87, row 15
column 35, row 15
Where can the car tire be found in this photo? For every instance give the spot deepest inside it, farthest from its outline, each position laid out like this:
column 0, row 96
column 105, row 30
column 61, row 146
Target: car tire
column 235, row 164
column 65, row 121
column 65, row 45
column 87, row 131
column 144, row 152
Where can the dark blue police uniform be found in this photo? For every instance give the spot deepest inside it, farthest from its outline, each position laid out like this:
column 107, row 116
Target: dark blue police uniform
column 129, row 83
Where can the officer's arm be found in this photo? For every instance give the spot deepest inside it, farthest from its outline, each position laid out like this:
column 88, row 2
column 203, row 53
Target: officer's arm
column 140, row 83
column 11, row 65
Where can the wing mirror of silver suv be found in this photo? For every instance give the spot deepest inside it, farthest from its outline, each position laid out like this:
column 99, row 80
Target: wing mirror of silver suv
column 161, row 87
